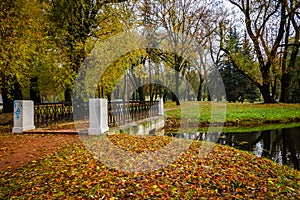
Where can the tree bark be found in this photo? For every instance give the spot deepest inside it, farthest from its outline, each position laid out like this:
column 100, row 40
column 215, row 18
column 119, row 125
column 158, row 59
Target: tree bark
column 286, row 71
column 34, row 90
column 285, row 77
column 7, row 102
column 68, row 94
column 141, row 93
column 199, row 89
column 265, row 92
column 285, row 87
column 176, row 93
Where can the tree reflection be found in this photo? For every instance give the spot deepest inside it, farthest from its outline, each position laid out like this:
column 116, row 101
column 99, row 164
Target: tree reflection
column 280, row 145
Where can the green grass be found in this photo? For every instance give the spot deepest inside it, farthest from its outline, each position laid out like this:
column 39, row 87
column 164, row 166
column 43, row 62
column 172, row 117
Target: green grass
column 234, row 113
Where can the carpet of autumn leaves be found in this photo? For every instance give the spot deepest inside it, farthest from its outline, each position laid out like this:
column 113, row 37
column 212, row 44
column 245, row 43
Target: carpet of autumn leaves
column 224, row 173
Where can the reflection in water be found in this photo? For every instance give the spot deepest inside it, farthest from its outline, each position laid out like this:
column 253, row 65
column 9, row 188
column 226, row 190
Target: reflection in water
column 280, row 145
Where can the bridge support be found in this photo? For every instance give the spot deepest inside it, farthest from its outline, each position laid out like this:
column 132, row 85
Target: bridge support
column 98, row 115
column 23, row 116
column 161, row 107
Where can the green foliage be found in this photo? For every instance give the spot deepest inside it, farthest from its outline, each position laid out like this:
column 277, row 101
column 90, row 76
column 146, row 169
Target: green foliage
column 237, row 86
column 24, row 47
column 78, row 25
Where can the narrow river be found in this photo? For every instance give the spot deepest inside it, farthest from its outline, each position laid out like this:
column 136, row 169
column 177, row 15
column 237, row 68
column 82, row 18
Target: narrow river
column 279, row 145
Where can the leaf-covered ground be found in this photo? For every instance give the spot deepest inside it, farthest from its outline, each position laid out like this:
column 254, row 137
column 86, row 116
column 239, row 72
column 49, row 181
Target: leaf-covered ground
column 224, row 173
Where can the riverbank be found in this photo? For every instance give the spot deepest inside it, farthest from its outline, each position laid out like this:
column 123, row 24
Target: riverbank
column 223, row 172
column 204, row 114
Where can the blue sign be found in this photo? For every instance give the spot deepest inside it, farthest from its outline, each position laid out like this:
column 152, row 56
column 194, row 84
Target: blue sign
column 18, row 107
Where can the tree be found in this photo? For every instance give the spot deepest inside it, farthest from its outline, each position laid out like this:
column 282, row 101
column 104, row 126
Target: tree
column 294, row 93
column 74, row 22
column 238, row 67
column 237, row 86
column 291, row 48
column 265, row 24
column 181, row 21
column 21, row 46
column 209, row 40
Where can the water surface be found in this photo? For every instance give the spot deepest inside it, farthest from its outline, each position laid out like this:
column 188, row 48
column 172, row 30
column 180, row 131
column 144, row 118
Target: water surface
column 279, row 145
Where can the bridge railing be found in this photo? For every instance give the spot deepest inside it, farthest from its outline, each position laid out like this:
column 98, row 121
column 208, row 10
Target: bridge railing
column 51, row 113
column 27, row 116
column 120, row 113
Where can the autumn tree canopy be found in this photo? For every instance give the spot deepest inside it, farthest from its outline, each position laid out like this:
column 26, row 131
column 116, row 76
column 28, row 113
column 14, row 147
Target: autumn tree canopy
column 44, row 43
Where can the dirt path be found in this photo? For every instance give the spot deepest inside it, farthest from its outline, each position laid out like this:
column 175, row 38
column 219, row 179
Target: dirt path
column 19, row 149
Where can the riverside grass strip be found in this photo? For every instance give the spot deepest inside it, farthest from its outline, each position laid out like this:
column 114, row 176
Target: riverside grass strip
column 236, row 113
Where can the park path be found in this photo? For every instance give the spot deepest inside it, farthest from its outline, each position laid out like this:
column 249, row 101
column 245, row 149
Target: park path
column 19, row 149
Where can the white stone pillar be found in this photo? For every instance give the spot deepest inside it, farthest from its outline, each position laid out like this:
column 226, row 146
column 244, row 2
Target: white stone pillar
column 161, row 107
column 23, row 116
column 98, row 115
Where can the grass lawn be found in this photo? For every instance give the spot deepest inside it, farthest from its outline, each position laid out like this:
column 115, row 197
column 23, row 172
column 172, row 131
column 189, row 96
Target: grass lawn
column 234, row 113
column 224, row 172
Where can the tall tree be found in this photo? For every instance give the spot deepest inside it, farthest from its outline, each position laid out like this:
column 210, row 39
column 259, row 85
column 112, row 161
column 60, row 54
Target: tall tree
column 75, row 21
column 181, row 21
column 265, row 24
column 208, row 40
column 291, row 47
column 239, row 68
column 21, row 46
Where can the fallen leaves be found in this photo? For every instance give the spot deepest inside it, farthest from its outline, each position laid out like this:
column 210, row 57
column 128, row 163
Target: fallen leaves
column 224, row 173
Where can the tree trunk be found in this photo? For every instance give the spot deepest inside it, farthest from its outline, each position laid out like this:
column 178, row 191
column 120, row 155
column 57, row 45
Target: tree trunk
column 34, row 90
column 265, row 91
column 285, row 87
column 165, row 96
column 152, row 92
column 141, row 93
column 199, row 90
column 175, row 96
column 209, row 98
column 274, row 89
column 15, row 93
column 68, row 94
column 285, row 77
column 7, row 102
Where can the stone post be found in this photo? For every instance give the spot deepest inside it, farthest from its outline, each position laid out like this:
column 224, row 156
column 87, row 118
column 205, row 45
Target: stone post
column 98, row 115
column 161, row 107
column 23, row 116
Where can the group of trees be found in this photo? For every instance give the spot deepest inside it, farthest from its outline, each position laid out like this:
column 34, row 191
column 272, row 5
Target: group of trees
column 254, row 44
column 44, row 42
